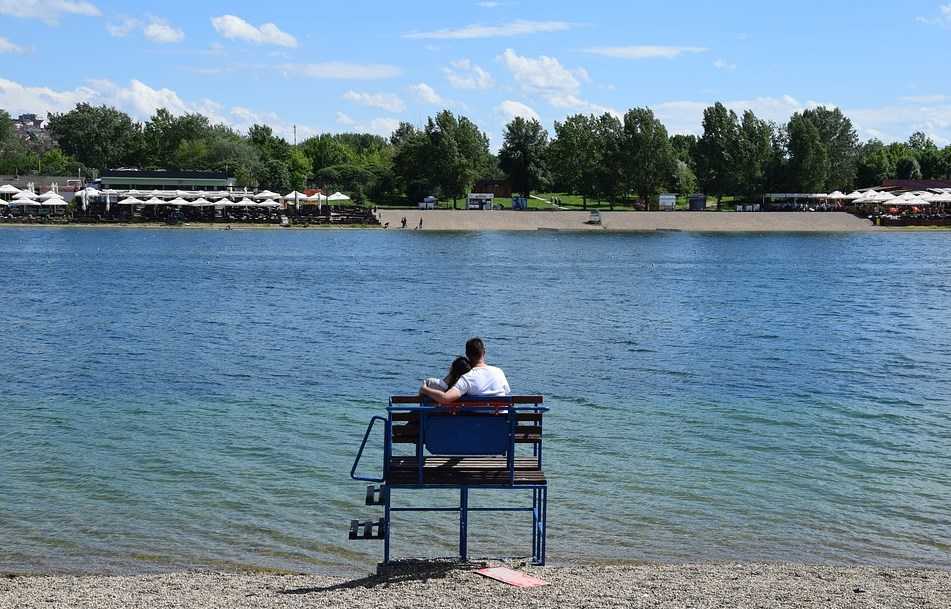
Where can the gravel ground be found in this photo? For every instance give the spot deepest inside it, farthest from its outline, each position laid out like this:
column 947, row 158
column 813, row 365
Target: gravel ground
column 419, row 587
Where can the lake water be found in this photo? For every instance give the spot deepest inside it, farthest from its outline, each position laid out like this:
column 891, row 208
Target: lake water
column 194, row 399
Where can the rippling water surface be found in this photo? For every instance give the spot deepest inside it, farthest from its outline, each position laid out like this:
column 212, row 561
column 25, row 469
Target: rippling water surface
column 178, row 399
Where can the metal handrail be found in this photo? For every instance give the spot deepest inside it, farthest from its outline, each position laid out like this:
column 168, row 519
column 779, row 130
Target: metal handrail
column 356, row 462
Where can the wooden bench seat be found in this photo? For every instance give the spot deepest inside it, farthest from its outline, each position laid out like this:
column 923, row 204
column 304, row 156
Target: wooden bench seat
column 469, row 471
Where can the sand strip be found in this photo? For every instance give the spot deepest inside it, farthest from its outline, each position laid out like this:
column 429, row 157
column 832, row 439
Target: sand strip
column 448, row 220
column 648, row 585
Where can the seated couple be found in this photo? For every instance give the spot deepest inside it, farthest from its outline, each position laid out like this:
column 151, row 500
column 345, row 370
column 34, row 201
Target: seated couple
column 468, row 376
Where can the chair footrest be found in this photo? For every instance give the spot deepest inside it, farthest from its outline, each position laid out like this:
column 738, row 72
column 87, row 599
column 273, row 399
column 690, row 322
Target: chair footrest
column 374, row 495
column 368, row 529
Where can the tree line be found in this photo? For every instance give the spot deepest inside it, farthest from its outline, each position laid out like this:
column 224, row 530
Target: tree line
column 602, row 157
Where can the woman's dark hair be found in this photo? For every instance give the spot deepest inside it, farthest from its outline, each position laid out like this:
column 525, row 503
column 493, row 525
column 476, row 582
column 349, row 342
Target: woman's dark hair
column 459, row 366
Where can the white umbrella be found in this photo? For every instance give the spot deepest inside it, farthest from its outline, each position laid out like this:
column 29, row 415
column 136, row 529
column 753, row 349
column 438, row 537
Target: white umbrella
column 338, row 196
column 8, row 189
column 201, row 202
column 46, row 196
column 269, row 203
column 56, row 202
column 246, row 202
column 317, row 197
column 134, row 192
column 130, row 201
column 24, row 203
column 154, row 201
column 267, row 194
column 836, row 195
column 24, row 194
column 854, row 196
column 178, row 201
column 294, row 196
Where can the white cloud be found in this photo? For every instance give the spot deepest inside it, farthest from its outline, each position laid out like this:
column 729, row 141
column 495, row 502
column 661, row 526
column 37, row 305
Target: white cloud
column 123, row 26
column 577, row 104
column 722, row 64
column 644, row 52
column 924, row 99
column 237, row 28
column 542, row 74
column 515, row 28
column 509, row 109
column 427, row 94
column 463, row 74
column 341, row 70
column 384, row 101
column 9, row 47
column 489, row 4
column 47, row 10
column 943, row 18
column 139, row 100
column 159, row 30
column 345, row 119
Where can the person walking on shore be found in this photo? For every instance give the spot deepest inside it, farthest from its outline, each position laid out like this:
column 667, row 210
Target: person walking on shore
column 482, row 380
column 420, row 227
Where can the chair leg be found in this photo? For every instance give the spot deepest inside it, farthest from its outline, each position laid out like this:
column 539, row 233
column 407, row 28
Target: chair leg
column 544, row 492
column 386, row 523
column 534, row 525
column 463, row 523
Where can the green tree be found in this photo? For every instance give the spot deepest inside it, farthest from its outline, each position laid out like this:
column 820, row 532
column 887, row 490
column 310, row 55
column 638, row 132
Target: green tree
column 808, row 157
column 840, row 141
column 574, row 156
column 164, row 135
column 685, row 149
column 522, row 156
column 649, row 161
column 55, row 162
column 299, row 167
column 716, row 166
column 908, row 168
column 928, row 155
column 97, row 136
column 609, row 175
column 685, row 182
column 874, row 164
column 754, row 147
column 274, row 174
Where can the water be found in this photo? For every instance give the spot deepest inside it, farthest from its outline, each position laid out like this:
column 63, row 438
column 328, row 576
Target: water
column 187, row 399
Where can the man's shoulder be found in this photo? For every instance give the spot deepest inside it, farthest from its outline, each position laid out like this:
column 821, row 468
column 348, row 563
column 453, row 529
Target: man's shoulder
column 495, row 370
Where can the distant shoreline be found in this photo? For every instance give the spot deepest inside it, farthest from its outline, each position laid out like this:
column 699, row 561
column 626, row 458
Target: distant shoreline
column 566, row 221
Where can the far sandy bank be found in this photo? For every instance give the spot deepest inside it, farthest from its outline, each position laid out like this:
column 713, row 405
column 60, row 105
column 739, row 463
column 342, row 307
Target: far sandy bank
column 448, row 220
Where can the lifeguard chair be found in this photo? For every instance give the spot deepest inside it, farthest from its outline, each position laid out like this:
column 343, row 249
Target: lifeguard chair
column 470, row 445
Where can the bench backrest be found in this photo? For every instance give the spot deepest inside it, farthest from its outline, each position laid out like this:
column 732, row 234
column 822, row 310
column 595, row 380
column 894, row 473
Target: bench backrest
column 466, row 434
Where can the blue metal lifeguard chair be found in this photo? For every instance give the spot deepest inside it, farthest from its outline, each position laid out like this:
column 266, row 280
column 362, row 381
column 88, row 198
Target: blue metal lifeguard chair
column 469, row 445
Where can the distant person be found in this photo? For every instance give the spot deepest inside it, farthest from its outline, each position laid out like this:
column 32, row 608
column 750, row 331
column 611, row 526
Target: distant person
column 482, row 380
column 403, row 222
column 420, row 227
column 457, row 369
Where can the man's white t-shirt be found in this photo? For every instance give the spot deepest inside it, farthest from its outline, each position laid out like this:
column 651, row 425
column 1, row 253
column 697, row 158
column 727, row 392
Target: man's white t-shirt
column 483, row 381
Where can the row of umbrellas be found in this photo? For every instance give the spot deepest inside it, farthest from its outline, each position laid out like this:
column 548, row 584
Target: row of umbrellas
column 939, row 195
column 28, row 198
column 265, row 195
column 201, row 202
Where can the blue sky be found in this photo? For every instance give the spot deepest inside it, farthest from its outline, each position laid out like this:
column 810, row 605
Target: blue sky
column 366, row 65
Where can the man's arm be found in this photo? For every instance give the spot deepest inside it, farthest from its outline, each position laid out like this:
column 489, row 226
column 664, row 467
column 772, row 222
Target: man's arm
column 441, row 397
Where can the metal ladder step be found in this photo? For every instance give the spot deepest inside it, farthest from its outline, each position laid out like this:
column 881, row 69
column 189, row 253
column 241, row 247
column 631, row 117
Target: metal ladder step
column 365, row 530
column 374, row 495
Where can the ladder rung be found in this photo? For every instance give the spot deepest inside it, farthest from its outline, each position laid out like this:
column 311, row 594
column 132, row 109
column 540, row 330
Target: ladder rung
column 374, row 495
column 365, row 530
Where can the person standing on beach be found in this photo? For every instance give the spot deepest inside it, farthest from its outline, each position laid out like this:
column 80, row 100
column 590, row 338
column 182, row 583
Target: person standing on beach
column 403, row 222
column 482, row 381
column 420, row 227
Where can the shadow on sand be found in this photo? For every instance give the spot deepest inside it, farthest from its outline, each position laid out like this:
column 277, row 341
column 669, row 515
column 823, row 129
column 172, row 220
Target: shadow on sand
column 398, row 572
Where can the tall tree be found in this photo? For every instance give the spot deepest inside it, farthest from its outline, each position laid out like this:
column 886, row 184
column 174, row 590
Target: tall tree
column 522, row 156
column 808, row 157
column 908, row 168
column 649, row 161
column 609, row 174
column 840, row 141
column 716, row 167
column 164, row 133
column 754, row 147
column 97, row 136
column 874, row 164
column 575, row 154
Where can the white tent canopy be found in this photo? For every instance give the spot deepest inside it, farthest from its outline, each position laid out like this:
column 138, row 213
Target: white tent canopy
column 25, row 202
column 8, row 189
column 24, row 194
column 130, row 201
column 837, row 195
column 46, row 196
column 178, row 201
column 267, row 194
column 246, row 202
column 317, row 197
column 338, row 196
column 269, row 203
column 54, row 202
column 295, row 196
column 201, row 202
column 154, row 201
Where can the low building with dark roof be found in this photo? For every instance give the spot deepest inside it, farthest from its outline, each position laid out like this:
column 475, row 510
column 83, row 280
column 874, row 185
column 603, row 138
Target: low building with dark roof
column 162, row 179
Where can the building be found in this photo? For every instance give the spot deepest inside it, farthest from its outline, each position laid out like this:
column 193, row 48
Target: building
column 162, row 179
column 500, row 188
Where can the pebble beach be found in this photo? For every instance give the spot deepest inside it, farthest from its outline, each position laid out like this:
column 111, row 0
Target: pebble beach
column 432, row 585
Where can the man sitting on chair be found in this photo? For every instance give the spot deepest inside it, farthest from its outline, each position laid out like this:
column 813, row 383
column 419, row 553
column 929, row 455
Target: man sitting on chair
column 482, row 381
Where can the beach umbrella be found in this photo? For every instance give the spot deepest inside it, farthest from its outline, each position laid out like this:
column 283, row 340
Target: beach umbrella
column 201, row 202
column 24, row 194
column 8, row 189
column 319, row 198
column 836, row 195
column 246, row 202
column 338, row 196
column 178, row 202
column 854, row 196
column 269, row 203
column 48, row 195
column 267, row 194
column 56, row 202
column 25, row 202
column 154, row 201
column 130, row 201
column 294, row 196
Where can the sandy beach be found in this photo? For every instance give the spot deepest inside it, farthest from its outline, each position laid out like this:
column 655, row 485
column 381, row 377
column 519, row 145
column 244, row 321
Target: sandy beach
column 647, row 585
column 447, row 220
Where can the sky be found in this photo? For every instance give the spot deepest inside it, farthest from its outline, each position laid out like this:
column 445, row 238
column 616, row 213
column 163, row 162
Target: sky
column 366, row 65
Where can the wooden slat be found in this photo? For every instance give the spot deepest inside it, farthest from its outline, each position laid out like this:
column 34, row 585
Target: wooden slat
column 514, row 399
column 464, row 471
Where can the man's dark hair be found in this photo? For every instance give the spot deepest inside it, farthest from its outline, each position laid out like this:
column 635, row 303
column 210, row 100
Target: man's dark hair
column 475, row 349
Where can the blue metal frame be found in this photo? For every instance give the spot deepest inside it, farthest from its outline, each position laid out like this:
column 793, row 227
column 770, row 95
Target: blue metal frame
column 492, row 407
